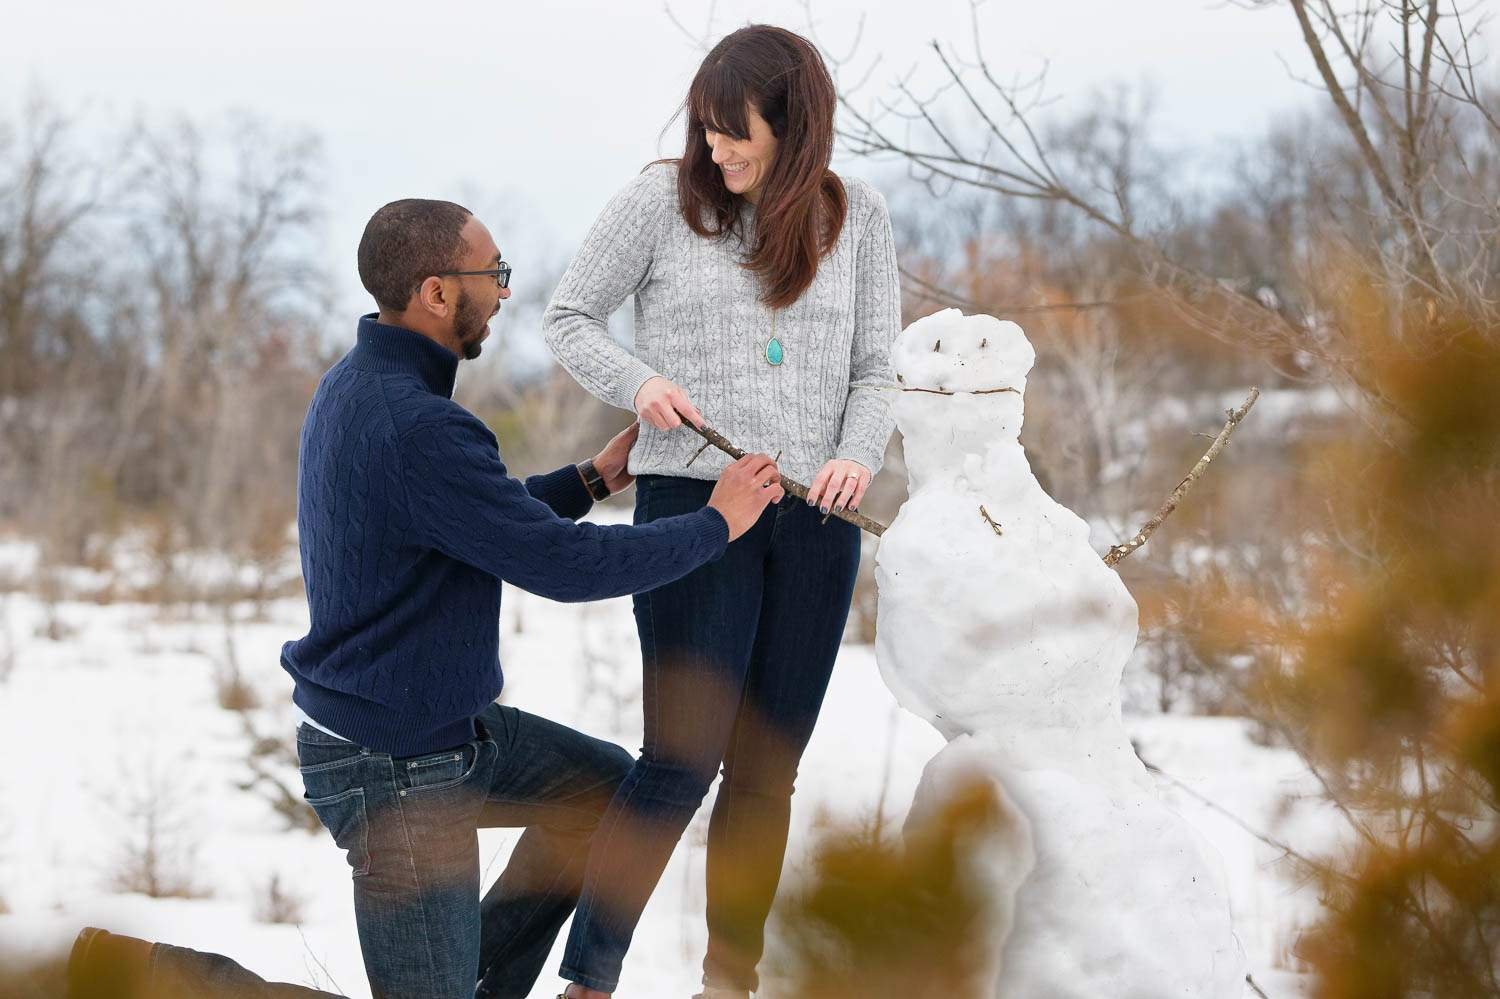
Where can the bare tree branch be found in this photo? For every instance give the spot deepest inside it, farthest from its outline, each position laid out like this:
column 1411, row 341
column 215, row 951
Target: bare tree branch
column 1117, row 552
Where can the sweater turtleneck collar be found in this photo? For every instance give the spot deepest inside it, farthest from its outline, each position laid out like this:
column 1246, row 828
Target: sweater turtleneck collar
column 395, row 350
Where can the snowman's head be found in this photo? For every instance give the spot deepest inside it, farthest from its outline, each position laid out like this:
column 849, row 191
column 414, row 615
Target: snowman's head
column 963, row 379
column 951, row 352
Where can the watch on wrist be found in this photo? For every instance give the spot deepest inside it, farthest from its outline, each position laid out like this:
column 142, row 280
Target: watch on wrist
column 592, row 480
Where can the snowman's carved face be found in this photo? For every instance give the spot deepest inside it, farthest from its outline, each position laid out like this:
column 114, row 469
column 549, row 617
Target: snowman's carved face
column 951, row 352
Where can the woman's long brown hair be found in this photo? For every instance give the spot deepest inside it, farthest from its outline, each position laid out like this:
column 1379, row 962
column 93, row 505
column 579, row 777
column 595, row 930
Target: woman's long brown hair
column 802, row 203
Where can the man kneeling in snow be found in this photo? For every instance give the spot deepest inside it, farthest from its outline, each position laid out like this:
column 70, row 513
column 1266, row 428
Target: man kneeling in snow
column 408, row 522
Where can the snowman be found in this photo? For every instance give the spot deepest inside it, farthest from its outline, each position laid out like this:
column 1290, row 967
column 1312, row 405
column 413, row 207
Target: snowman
column 1001, row 626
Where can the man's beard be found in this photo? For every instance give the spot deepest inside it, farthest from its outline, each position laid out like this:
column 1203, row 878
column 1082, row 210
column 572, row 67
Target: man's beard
column 469, row 325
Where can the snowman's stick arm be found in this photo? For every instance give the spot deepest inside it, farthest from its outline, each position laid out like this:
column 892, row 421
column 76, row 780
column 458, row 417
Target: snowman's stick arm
column 1119, row 551
column 792, row 486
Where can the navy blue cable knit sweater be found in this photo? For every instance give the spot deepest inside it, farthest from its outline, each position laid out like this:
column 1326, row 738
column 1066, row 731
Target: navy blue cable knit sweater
column 408, row 522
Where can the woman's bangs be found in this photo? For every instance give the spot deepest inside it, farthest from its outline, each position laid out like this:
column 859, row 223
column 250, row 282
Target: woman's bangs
column 718, row 101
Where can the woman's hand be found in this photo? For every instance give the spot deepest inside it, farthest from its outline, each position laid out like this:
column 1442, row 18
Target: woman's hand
column 663, row 404
column 840, row 483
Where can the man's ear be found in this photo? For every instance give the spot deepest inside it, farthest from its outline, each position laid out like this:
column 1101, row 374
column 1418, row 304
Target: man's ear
column 431, row 298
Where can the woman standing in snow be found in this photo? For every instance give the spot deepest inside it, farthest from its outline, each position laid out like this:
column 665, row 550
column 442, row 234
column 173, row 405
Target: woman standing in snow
column 766, row 301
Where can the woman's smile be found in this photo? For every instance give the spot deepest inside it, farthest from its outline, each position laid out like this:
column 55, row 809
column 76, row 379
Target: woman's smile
column 744, row 162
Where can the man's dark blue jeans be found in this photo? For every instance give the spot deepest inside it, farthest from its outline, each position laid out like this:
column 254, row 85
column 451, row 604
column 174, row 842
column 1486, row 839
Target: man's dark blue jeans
column 407, row 827
column 737, row 657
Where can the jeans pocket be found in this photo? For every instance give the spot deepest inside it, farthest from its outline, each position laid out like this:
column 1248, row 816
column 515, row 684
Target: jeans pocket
column 315, row 757
column 435, row 771
column 658, row 496
column 645, row 485
column 343, row 815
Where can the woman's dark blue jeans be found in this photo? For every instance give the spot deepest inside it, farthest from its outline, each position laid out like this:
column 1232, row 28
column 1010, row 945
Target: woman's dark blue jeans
column 737, row 656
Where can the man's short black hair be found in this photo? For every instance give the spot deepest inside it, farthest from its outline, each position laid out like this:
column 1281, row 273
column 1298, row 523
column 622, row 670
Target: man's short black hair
column 407, row 242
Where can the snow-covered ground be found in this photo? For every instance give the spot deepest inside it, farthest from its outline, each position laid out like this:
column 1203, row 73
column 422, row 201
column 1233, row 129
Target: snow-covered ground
column 122, row 711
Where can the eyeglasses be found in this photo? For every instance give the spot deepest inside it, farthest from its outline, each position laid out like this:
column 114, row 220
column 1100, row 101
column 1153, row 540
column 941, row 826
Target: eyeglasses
column 501, row 274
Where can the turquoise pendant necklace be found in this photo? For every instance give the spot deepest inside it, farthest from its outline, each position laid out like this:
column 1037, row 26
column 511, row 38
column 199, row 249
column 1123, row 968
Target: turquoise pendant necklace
column 775, row 353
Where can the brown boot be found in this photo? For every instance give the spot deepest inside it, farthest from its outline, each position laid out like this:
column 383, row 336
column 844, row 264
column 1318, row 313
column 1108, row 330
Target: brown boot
column 105, row 965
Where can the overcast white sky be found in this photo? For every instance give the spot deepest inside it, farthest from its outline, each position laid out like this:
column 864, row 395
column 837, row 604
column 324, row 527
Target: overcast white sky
column 547, row 107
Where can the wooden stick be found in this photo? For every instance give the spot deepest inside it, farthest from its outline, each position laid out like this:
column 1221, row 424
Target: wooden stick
column 1119, row 551
column 792, row 486
column 698, row 453
column 1115, row 553
column 990, row 520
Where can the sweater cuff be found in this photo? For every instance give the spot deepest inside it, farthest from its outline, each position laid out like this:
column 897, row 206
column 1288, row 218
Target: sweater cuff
column 866, row 456
column 636, row 374
column 713, row 533
column 562, row 490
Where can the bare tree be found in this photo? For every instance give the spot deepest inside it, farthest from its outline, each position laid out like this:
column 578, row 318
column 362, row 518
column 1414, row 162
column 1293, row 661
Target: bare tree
column 157, row 326
column 1399, row 75
column 51, row 193
column 1419, row 183
column 48, row 188
column 277, row 903
column 230, row 294
column 156, row 853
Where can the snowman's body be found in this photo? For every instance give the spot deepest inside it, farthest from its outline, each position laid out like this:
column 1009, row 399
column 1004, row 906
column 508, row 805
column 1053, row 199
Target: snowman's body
column 1004, row 629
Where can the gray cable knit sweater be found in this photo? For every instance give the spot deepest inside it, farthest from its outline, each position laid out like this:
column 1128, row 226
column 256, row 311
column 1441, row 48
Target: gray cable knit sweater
column 699, row 322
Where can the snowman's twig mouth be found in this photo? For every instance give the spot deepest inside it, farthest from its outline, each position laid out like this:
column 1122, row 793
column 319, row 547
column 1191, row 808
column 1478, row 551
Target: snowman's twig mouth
column 992, row 391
